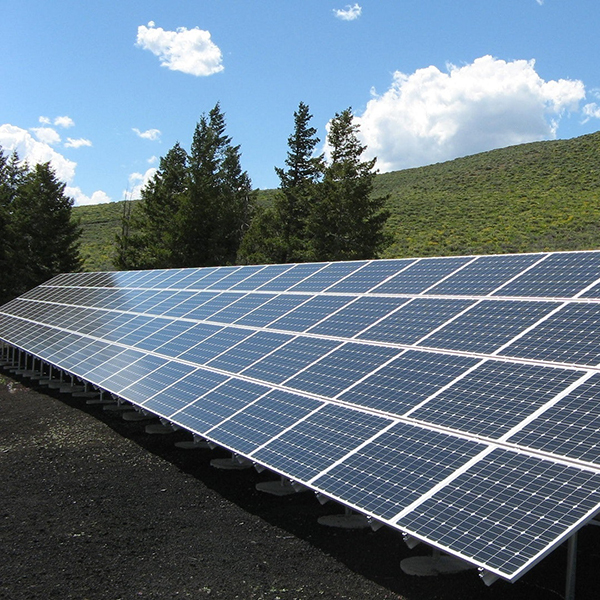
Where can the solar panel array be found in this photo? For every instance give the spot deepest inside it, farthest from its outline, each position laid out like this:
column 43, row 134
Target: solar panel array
column 455, row 399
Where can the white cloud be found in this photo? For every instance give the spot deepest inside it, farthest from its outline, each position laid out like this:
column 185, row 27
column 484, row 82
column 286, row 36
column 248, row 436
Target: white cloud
column 136, row 182
column 77, row 143
column 13, row 138
column 591, row 111
column 152, row 160
column 349, row 13
column 190, row 51
column 45, row 121
column 46, row 135
column 65, row 122
column 80, row 199
column 149, row 134
column 431, row 116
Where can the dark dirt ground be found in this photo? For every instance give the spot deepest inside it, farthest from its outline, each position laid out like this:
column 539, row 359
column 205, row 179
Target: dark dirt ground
column 91, row 507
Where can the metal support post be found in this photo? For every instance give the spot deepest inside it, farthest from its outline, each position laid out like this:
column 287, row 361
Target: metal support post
column 571, row 567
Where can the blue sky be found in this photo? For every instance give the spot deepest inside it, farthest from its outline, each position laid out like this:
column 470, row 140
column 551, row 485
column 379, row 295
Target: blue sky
column 104, row 89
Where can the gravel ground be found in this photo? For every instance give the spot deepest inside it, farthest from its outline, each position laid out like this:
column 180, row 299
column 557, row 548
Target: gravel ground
column 91, row 507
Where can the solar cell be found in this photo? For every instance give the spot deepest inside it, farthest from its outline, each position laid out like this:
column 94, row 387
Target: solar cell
column 487, row 326
column 309, row 313
column 288, row 360
column 495, row 397
column 317, row 441
column 407, row 380
column 413, row 320
column 341, row 368
column 218, row 404
column 396, row 468
column 569, row 428
column 506, row 510
column 262, row 420
column 327, row 277
column 560, row 275
column 421, row 275
column 370, row 276
column 485, row 274
column 568, row 336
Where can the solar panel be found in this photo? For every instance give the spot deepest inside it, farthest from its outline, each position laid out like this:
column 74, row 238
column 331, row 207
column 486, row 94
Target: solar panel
column 454, row 399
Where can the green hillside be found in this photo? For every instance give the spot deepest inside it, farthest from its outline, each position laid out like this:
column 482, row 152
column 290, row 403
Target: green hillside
column 540, row 196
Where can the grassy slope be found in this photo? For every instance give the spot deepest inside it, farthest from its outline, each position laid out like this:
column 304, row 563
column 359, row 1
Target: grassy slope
column 540, row 196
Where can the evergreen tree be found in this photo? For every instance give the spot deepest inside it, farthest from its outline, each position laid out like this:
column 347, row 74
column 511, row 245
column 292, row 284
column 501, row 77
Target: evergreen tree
column 347, row 222
column 278, row 233
column 217, row 210
column 46, row 237
column 149, row 236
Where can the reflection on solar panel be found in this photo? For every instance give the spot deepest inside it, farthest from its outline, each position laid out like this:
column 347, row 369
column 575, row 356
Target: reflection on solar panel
column 455, row 399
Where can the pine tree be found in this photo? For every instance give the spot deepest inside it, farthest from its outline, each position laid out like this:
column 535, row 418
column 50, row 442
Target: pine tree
column 217, row 210
column 278, row 233
column 149, row 236
column 347, row 222
column 45, row 235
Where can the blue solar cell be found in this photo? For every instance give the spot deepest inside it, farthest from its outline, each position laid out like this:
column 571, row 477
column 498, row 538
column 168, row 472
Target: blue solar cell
column 261, row 277
column 155, row 382
column 421, row 275
column 395, row 469
column 290, row 358
column 131, row 372
column 190, row 338
column 327, row 277
column 178, row 395
column 506, row 510
column 484, row 275
column 488, row 326
column 207, row 309
column 262, row 420
column 98, row 354
column 495, row 397
column 138, row 334
column 195, row 301
column 169, row 331
column 218, row 404
column 309, row 313
column 356, row 316
column 241, row 307
column 407, row 380
column 235, row 277
column 271, row 310
column 197, row 279
column 173, row 302
column 248, row 351
column 214, row 345
column 318, row 441
column 341, row 368
column 568, row 336
column 203, row 280
column 78, row 360
column 414, row 320
column 107, row 363
column 291, row 277
column 561, row 275
column 569, row 428
column 370, row 276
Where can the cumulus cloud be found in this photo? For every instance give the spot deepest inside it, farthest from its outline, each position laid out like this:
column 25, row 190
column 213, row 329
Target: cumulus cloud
column 591, row 111
column 149, row 134
column 432, row 116
column 77, row 143
column 46, row 135
column 80, row 199
column 34, row 151
column 64, row 122
column 137, row 182
column 349, row 12
column 190, row 51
